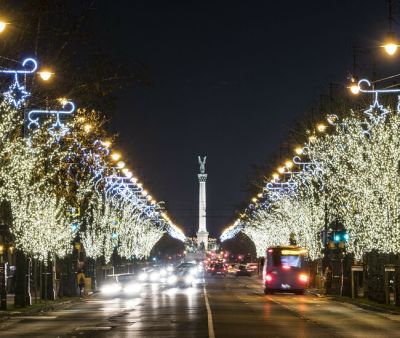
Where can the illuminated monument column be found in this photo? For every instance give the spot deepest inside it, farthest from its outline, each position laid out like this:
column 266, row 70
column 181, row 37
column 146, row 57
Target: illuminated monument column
column 202, row 234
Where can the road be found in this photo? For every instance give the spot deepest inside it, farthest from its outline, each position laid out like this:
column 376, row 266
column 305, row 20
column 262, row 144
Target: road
column 222, row 307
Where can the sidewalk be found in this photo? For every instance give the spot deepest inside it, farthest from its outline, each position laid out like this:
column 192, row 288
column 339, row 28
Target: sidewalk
column 360, row 302
column 35, row 308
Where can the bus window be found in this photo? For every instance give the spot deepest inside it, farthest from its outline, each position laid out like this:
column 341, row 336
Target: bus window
column 292, row 261
column 278, row 259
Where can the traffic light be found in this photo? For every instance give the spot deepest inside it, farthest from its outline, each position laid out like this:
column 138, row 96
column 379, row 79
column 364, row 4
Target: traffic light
column 114, row 234
column 340, row 236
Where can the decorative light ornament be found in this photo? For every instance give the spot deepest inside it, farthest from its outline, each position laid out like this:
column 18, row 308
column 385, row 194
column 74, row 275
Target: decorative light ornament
column 231, row 231
column 17, row 94
column 57, row 129
column 376, row 111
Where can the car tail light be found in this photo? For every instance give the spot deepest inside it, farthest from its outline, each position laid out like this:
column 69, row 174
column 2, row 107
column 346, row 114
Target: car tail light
column 268, row 278
column 303, row 278
column 285, row 267
column 212, row 269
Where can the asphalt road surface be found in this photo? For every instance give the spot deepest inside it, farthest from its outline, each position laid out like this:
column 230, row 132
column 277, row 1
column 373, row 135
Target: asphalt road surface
column 222, row 307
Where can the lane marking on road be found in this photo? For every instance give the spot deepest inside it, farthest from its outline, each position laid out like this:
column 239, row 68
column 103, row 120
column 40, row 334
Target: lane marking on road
column 37, row 317
column 211, row 333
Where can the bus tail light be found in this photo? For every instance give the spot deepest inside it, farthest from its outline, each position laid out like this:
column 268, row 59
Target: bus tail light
column 286, row 267
column 268, row 278
column 303, row 278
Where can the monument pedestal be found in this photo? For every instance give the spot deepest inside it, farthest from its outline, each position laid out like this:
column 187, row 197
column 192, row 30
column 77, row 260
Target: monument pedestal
column 202, row 237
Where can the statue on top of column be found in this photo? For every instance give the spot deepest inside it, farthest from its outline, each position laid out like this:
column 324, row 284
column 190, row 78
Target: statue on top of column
column 202, row 164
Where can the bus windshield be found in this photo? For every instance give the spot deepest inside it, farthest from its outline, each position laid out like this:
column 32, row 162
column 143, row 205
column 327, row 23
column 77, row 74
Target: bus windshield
column 286, row 258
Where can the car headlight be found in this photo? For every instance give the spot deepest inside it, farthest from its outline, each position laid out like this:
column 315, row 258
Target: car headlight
column 163, row 272
column 189, row 279
column 143, row 276
column 154, row 276
column 132, row 288
column 193, row 271
column 111, row 289
column 172, row 280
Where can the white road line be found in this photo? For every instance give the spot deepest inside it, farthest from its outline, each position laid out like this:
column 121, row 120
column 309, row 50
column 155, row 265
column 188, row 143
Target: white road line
column 211, row 333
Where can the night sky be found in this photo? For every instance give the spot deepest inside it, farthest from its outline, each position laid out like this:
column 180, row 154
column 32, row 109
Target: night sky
column 228, row 79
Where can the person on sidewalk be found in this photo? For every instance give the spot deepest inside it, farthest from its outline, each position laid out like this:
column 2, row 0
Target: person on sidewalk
column 81, row 282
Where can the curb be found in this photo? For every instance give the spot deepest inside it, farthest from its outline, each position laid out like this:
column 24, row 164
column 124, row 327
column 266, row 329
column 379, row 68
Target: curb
column 368, row 307
column 365, row 306
column 317, row 294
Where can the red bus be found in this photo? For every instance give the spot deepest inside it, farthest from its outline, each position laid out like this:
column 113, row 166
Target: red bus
column 285, row 269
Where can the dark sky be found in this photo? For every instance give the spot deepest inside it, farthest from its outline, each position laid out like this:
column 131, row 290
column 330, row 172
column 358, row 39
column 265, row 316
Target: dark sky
column 228, row 78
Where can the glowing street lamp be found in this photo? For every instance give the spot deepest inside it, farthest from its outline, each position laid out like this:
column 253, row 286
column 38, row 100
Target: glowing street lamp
column 391, row 44
column 354, row 88
column 45, row 74
column 87, row 127
column 3, row 26
column 115, row 156
column 288, row 164
column 106, row 143
column 121, row 164
column 321, row 127
column 299, row 150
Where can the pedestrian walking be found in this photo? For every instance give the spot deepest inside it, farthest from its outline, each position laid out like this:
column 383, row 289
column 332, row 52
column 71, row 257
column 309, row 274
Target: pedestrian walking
column 81, row 282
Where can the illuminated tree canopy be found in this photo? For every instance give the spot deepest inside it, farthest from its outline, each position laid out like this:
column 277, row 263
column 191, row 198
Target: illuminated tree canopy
column 348, row 173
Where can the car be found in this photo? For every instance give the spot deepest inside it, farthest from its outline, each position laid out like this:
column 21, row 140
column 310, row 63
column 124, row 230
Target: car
column 232, row 268
column 218, row 269
column 210, row 267
column 243, row 271
column 185, row 265
column 115, row 284
column 193, row 268
column 182, row 278
column 253, row 267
